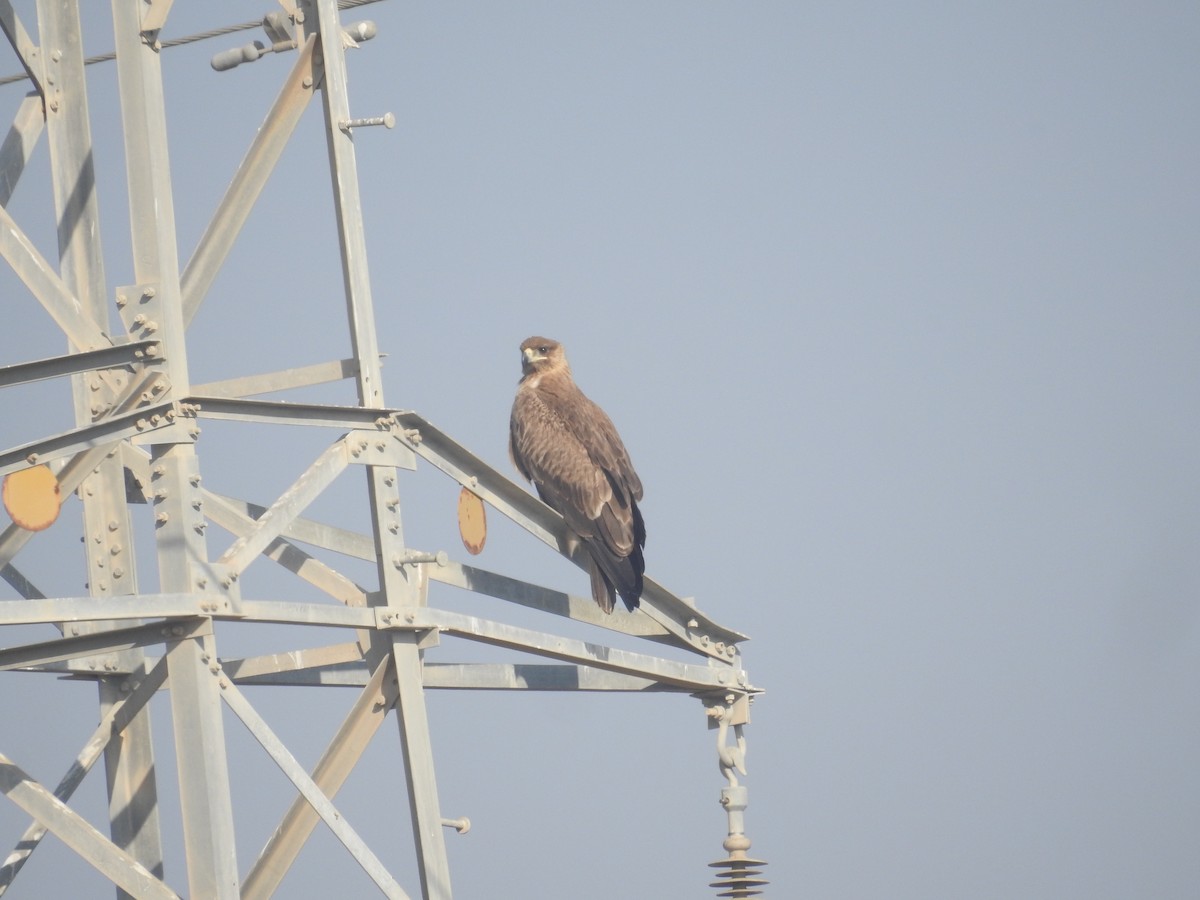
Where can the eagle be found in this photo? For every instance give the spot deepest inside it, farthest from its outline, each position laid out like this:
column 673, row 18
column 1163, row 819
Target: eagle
column 568, row 447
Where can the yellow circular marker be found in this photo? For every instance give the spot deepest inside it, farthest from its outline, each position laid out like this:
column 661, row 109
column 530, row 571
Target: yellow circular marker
column 472, row 522
column 32, row 497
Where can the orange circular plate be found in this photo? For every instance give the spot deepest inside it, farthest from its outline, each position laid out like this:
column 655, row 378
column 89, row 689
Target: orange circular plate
column 472, row 522
column 32, row 497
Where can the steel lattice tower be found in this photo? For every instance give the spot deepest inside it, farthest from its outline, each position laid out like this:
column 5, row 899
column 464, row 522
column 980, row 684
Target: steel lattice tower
column 133, row 457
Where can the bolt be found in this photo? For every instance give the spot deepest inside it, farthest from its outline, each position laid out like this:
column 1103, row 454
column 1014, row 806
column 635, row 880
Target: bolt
column 56, row 55
column 139, row 319
column 161, row 518
column 202, row 583
column 121, row 301
column 141, row 424
column 387, row 120
column 194, row 480
column 159, row 471
column 149, row 292
column 114, row 549
column 200, row 526
column 32, row 458
column 113, row 526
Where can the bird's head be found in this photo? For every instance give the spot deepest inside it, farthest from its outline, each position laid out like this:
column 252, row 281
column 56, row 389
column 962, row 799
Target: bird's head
column 539, row 354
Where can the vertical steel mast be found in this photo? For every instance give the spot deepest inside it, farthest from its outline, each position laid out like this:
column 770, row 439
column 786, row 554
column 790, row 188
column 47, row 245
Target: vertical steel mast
column 135, row 460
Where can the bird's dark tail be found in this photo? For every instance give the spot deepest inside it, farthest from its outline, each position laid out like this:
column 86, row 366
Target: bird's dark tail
column 602, row 589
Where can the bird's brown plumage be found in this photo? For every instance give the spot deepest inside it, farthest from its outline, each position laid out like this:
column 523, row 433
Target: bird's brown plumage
column 568, row 447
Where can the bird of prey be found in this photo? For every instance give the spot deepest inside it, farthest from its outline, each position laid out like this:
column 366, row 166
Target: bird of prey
column 566, row 445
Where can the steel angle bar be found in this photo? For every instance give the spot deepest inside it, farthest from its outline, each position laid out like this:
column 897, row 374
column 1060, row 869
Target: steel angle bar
column 44, row 283
column 314, row 658
column 288, row 555
column 109, row 641
column 27, row 51
column 247, row 183
column 285, row 380
column 19, row 143
column 307, row 531
column 345, row 675
column 115, row 720
column 535, row 677
column 446, row 454
column 545, row 599
column 330, row 773
column 424, row 806
column 331, row 463
column 154, row 16
column 278, row 412
column 20, row 583
column 312, row 793
column 78, row 834
column 73, row 363
column 347, row 204
column 86, row 437
column 92, row 609
column 282, row 612
column 50, row 290
column 540, row 643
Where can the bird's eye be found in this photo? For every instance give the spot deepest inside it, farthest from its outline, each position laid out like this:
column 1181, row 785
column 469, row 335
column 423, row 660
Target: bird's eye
column 543, row 349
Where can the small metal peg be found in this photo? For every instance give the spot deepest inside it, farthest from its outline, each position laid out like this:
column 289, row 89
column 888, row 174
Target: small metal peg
column 462, row 825
column 387, row 120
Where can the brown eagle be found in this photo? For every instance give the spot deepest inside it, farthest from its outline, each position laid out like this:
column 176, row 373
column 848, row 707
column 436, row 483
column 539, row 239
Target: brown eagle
column 566, row 445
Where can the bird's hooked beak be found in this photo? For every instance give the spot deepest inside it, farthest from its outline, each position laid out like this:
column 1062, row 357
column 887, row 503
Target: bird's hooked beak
column 528, row 357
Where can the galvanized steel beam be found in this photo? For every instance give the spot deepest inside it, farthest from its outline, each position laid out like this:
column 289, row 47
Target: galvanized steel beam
column 80, row 835
column 243, row 191
column 330, row 773
column 18, row 144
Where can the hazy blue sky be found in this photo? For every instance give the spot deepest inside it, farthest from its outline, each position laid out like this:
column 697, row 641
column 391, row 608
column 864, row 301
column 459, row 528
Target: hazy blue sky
column 897, row 307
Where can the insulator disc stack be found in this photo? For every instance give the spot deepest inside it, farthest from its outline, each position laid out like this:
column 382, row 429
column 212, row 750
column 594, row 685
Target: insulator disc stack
column 739, row 877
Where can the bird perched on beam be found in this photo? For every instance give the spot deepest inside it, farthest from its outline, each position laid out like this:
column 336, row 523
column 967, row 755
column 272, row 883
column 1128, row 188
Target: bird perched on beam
column 568, row 447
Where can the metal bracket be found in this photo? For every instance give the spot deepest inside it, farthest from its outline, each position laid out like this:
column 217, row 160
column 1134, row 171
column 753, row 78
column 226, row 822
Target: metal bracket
column 378, row 448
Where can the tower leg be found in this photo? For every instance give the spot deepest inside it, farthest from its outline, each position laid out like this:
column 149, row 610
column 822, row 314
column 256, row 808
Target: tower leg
column 418, row 768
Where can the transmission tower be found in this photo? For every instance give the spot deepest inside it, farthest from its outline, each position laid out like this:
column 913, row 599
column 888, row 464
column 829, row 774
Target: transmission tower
column 135, row 460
